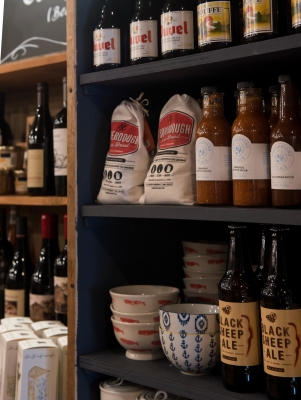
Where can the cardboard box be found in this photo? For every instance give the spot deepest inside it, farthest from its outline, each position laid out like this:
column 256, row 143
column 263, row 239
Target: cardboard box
column 16, row 320
column 14, row 327
column 37, row 369
column 55, row 333
column 39, row 327
column 62, row 344
column 8, row 361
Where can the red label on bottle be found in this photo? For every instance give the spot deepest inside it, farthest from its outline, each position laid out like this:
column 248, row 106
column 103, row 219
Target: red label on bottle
column 176, row 29
column 109, row 45
column 175, row 129
column 124, row 138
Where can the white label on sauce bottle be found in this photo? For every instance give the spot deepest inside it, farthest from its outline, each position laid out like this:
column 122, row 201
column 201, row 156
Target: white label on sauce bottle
column 285, row 167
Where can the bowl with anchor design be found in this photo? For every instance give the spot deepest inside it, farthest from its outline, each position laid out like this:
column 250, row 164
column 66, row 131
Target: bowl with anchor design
column 192, row 318
column 193, row 354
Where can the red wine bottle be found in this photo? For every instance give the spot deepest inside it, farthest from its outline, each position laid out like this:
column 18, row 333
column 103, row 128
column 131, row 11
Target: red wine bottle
column 60, row 146
column 61, row 281
column 6, row 137
column 41, row 298
column 40, row 163
column 19, row 275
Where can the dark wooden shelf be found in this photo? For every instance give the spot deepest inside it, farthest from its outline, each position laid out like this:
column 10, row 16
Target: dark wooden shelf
column 197, row 213
column 161, row 375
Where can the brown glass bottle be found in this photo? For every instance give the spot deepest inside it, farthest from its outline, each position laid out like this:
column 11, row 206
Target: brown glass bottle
column 280, row 312
column 239, row 294
column 250, row 150
column 274, row 115
column 286, row 148
column 216, row 24
column 213, row 151
column 177, row 28
column 261, row 272
column 260, row 20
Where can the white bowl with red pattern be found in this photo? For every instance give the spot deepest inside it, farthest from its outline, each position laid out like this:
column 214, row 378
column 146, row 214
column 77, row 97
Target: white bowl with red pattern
column 203, row 248
column 203, row 284
column 140, row 340
column 142, row 298
column 196, row 296
column 216, row 262
column 195, row 273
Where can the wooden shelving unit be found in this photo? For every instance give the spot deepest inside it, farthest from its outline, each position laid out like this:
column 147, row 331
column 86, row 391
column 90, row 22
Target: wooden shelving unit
column 15, row 200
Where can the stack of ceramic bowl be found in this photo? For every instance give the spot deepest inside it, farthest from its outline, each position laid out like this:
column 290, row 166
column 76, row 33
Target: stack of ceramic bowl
column 189, row 335
column 204, row 265
column 136, row 318
column 158, row 395
column 119, row 389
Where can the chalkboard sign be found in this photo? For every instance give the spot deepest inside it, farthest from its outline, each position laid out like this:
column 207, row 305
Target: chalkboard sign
column 33, row 28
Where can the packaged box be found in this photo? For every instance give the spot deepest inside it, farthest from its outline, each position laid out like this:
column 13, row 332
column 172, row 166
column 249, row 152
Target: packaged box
column 39, row 327
column 55, row 333
column 37, row 369
column 14, row 327
column 8, row 361
column 16, row 320
column 62, row 344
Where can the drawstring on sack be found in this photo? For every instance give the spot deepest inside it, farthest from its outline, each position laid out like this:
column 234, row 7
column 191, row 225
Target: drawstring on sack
column 141, row 103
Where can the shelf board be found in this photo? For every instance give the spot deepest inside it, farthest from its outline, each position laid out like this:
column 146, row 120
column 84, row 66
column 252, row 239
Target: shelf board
column 24, row 74
column 16, row 200
column 244, row 60
column 161, row 375
column 197, row 213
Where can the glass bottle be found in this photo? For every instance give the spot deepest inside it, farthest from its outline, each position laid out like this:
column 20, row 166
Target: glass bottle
column 12, row 225
column 295, row 16
column 275, row 92
column 61, row 281
column 260, row 20
column 6, row 137
column 250, row 150
column 177, row 28
column 216, row 24
column 239, row 295
column 107, row 37
column 281, row 325
column 265, row 104
column 213, row 151
column 19, row 275
column 261, row 272
column 144, row 33
column 286, row 148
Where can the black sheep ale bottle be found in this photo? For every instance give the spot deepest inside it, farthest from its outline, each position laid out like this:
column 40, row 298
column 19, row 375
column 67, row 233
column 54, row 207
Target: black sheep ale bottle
column 40, row 163
column 144, row 33
column 61, row 281
column 281, row 326
column 19, row 275
column 239, row 296
column 41, row 299
column 177, row 28
column 60, row 146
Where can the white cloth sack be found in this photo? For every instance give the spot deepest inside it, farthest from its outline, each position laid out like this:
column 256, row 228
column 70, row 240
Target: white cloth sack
column 171, row 178
column 127, row 160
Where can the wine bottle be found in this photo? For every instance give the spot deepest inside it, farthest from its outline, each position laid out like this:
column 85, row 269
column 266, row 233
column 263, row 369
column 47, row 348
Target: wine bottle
column 18, row 280
column 60, row 146
column 41, row 298
column 6, row 256
column 40, row 163
column 12, row 225
column 6, row 137
column 61, row 281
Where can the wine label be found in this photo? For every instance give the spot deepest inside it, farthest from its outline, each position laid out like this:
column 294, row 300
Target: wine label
column 296, row 13
column 60, row 151
column 214, row 22
column 177, row 31
column 60, row 294
column 250, row 160
column 213, row 163
column 8, row 159
column 21, row 184
column 281, row 344
column 257, row 17
column 107, row 46
column 285, row 167
column 41, row 307
column 35, row 168
column 14, row 303
column 240, row 333
column 144, row 39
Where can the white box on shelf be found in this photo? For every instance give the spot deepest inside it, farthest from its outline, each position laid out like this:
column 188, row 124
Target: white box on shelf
column 8, row 361
column 14, row 327
column 37, row 369
column 39, row 327
column 55, row 333
column 16, row 320
column 62, row 343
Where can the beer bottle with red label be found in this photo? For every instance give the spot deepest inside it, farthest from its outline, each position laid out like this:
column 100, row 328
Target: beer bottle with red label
column 177, row 28
column 280, row 308
column 107, row 38
column 239, row 296
column 144, row 33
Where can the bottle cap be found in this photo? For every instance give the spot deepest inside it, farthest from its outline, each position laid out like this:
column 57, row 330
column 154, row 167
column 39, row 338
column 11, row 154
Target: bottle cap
column 42, row 86
column 21, row 226
column 285, row 78
column 246, row 85
column 48, row 226
column 274, row 89
column 65, row 79
column 66, row 226
column 211, row 89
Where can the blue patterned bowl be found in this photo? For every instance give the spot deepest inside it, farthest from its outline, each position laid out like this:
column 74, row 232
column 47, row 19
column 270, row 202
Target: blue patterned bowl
column 192, row 354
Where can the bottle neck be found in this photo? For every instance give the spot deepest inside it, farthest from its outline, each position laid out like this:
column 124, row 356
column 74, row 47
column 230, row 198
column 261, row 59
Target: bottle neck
column 22, row 244
column 3, row 227
column 289, row 103
column 277, row 265
column 239, row 258
column 65, row 94
column 274, row 103
column 42, row 98
column 250, row 101
column 212, row 105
